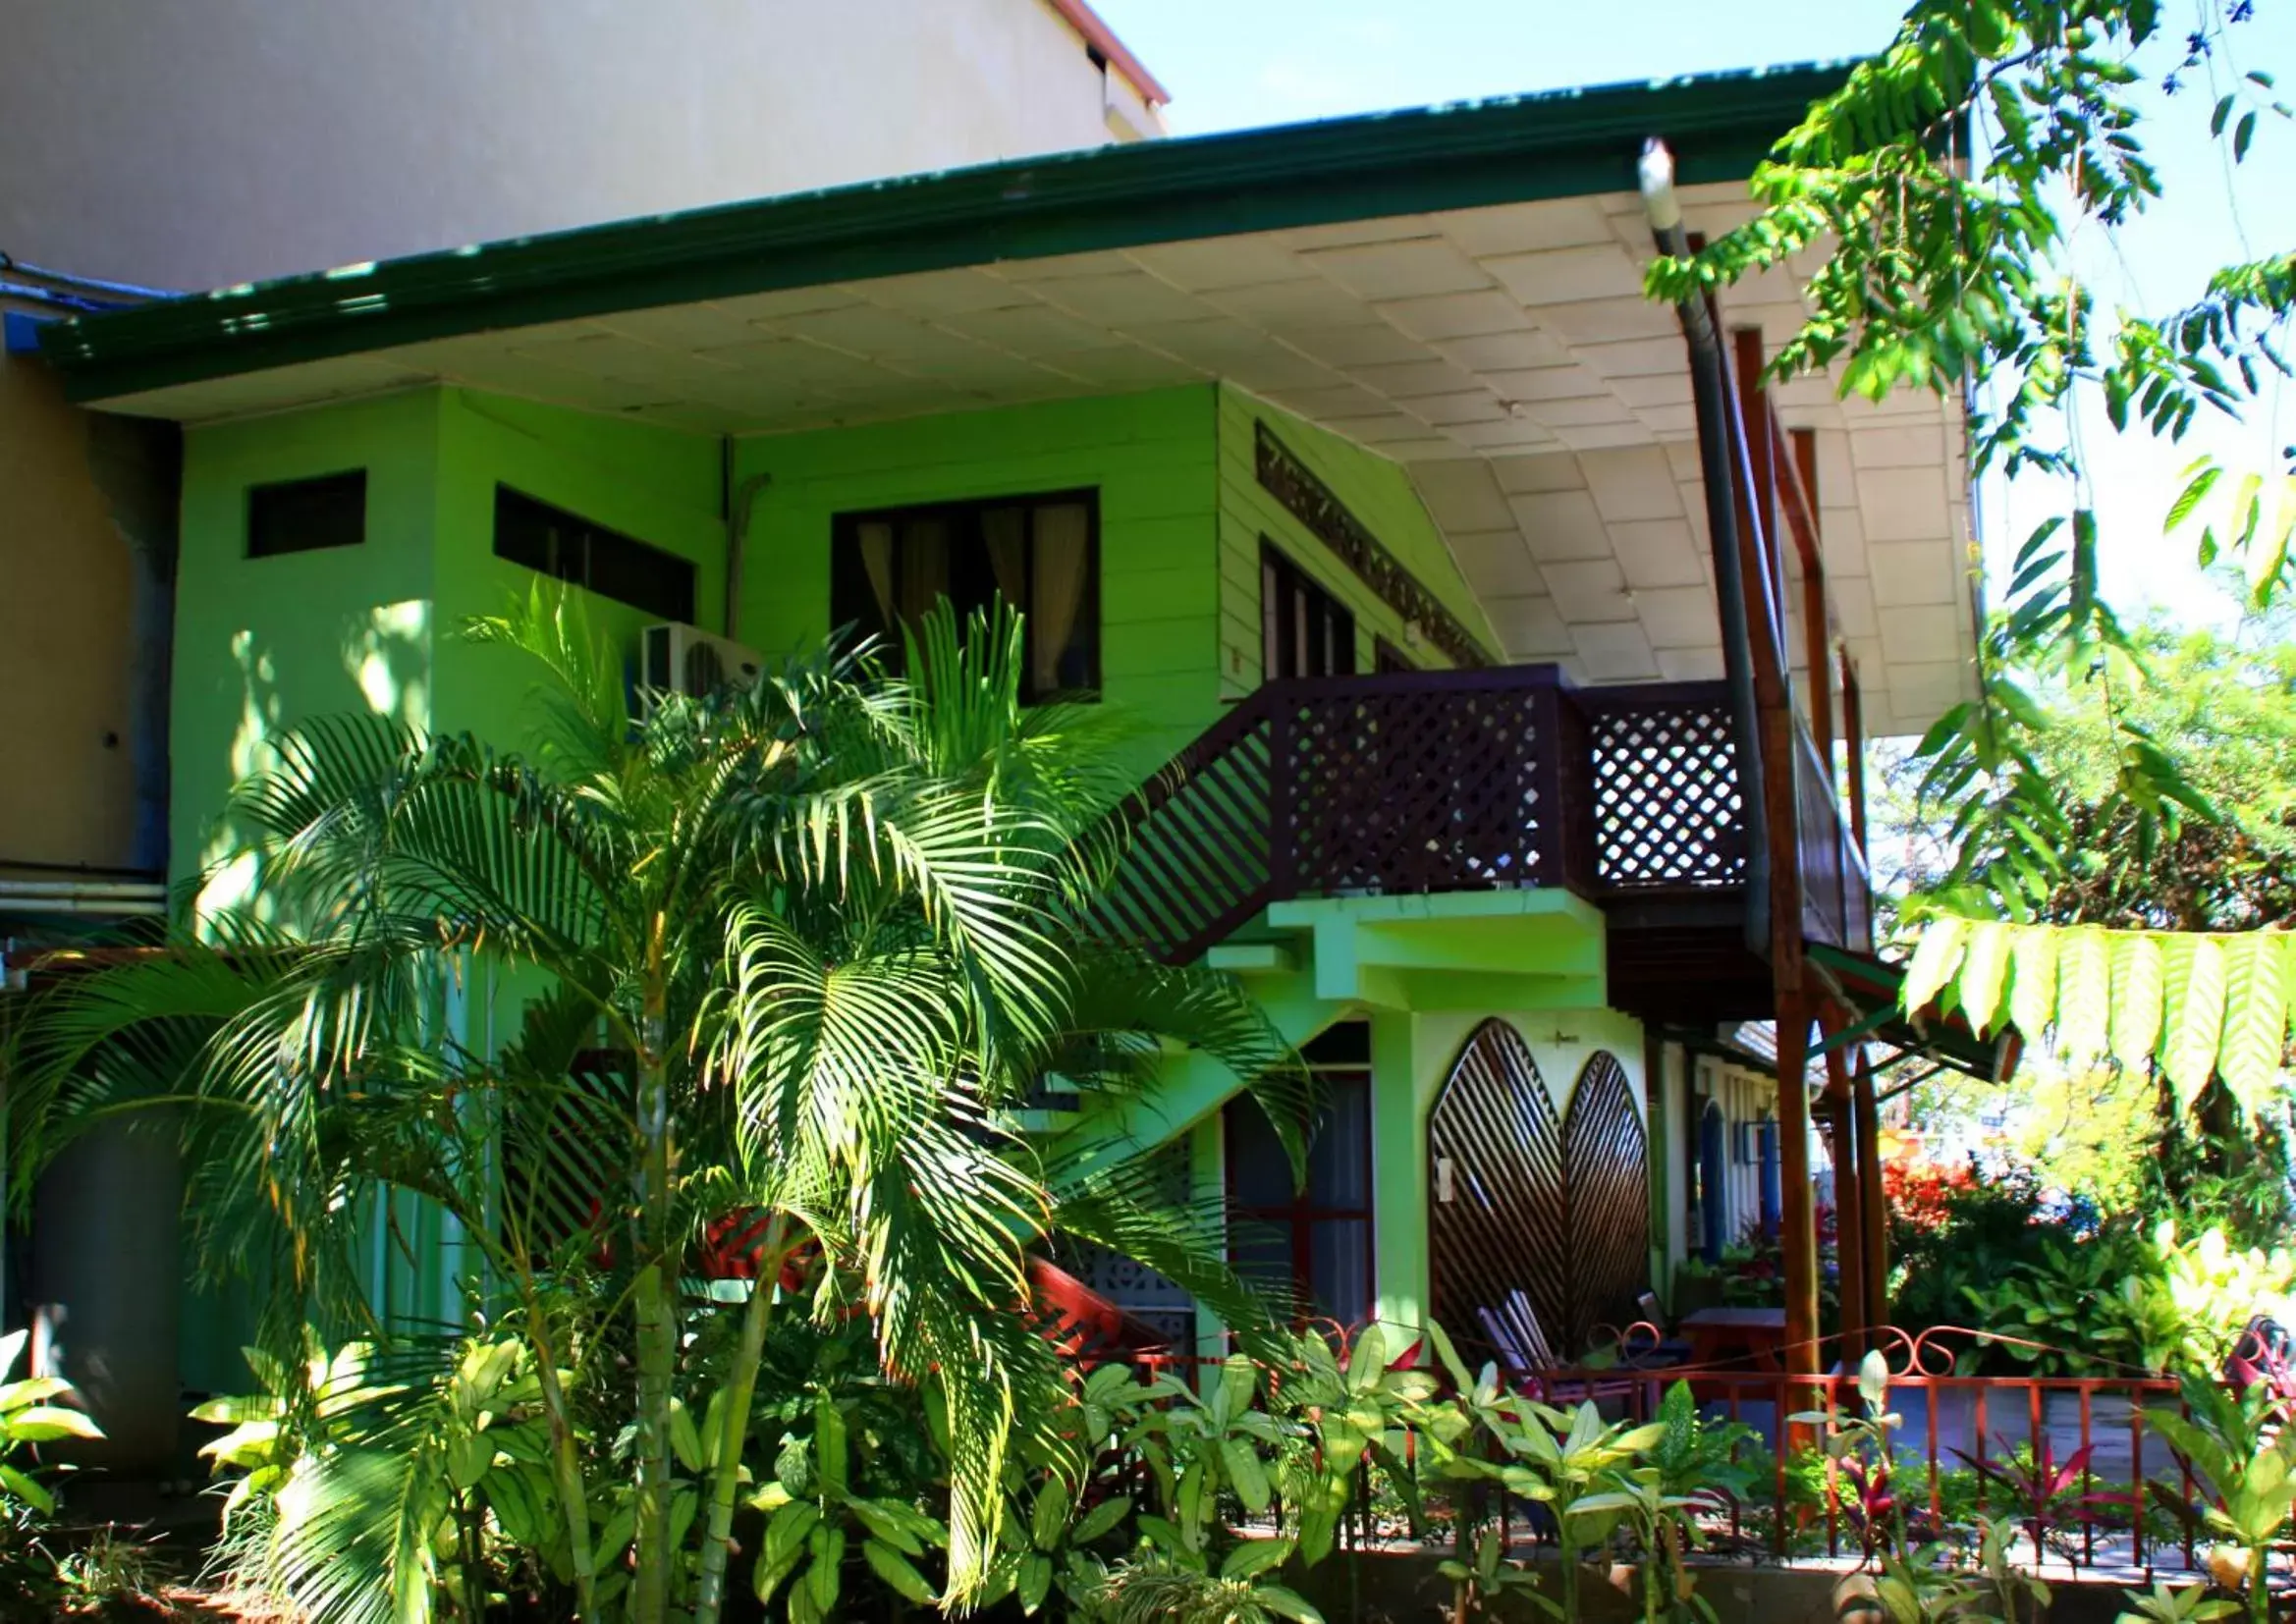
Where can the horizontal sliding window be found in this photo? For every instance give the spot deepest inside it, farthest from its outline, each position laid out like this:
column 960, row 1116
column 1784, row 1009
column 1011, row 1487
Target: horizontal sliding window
column 307, row 515
column 1040, row 553
column 588, row 554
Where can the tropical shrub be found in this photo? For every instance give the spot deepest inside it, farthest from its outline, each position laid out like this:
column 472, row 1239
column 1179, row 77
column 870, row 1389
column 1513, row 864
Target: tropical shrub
column 792, row 957
column 29, row 1416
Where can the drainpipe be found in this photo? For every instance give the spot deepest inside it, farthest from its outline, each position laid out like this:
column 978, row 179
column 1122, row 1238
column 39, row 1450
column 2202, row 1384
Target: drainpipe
column 1710, row 388
column 736, row 501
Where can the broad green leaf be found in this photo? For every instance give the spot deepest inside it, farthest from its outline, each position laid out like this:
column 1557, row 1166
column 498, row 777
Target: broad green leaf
column 2033, row 955
column 26, row 1489
column 2193, row 980
column 1246, row 1475
column 1255, row 1556
column 47, row 1423
column 1934, row 961
column 1978, row 983
column 2084, row 998
column 1100, row 1520
column 2136, row 999
column 2257, row 970
column 893, row 1569
column 1287, row 1603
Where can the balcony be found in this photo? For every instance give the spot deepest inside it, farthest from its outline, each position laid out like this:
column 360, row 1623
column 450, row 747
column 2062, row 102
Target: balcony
column 1503, row 779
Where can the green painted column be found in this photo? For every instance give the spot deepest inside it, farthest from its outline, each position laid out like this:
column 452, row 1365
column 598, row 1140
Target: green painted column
column 1399, row 1167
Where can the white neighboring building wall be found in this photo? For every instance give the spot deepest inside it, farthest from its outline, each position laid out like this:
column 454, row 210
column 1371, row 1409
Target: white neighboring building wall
column 195, row 146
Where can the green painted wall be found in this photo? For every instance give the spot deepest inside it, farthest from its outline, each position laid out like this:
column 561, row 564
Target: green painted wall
column 1149, row 456
column 262, row 643
column 1379, row 494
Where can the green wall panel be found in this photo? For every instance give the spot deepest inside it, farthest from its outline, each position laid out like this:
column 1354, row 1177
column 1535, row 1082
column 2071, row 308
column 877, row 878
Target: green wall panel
column 1379, row 495
column 1150, row 458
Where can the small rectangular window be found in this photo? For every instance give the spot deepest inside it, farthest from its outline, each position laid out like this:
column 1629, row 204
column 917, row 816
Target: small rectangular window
column 1040, row 553
column 572, row 548
column 305, row 516
column 1304, row 631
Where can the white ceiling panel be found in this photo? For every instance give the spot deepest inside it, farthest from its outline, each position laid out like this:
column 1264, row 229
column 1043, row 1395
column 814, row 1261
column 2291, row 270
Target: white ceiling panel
column 1505, row 356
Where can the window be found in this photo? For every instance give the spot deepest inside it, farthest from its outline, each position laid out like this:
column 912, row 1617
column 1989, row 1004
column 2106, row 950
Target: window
column 303, row 515
column 570, row 548
column 1386, row 659
column 1304, row 631
column 1317, row 1239
column 1042, row 552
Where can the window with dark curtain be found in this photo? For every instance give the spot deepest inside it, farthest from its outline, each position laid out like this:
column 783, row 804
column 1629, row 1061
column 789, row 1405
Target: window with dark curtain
column 306, row 516
column 569, row 547
column 1317, row 1239
column 1040, row 553
column 1304, row 631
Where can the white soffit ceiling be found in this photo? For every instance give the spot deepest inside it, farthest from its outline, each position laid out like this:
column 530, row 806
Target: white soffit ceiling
column 1505, row 356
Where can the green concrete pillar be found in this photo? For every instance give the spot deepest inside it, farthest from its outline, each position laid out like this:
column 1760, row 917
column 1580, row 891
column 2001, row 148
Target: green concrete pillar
column 1398, row 1165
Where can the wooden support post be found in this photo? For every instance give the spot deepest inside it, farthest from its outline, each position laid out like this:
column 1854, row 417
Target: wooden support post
column 1756, row 470
column 1817, row 621
column 1798, row 1230
column 1853, row 722
column 1866, row 1116
column 1850, row 1215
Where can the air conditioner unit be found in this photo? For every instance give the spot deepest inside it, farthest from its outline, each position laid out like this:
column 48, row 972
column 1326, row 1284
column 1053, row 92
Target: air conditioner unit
column 685, row 659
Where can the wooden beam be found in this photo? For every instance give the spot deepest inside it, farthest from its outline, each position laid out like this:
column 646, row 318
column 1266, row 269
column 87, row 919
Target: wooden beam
column 1853, row 723
column 1850, row 1207
column 1817, row 615
column 1866, row 1119
column 1798, row 1225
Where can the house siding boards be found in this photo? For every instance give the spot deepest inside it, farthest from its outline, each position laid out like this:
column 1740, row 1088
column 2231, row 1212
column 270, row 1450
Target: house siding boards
column 1374, row 489
column 1149, row 456
column 262, row 643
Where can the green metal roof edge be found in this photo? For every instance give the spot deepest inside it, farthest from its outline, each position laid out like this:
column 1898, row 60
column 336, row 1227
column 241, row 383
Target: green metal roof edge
column 1554, row 144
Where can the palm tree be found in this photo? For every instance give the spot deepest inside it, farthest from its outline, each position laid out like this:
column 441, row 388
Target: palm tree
column 793, row 952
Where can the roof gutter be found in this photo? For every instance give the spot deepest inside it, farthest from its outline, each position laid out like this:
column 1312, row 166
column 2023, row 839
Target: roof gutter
column 1121, row 195
column 1709, row 391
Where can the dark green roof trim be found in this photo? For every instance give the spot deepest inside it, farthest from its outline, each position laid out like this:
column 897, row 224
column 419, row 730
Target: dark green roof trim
column 1563, row 143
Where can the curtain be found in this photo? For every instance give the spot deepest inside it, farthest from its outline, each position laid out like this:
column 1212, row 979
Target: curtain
column 1005, row 534
column 876, row 538
column 924, row 566
column 1064, row 534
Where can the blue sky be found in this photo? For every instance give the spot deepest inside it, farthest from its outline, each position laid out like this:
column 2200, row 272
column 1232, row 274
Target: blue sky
column 1231, row 63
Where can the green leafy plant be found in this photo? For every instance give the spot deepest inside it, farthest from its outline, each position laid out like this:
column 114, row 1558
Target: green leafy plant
column 2166, row 1603
column 29, row 1416
column 2243, row 1454
column 797, row 953
column 1160, row 1590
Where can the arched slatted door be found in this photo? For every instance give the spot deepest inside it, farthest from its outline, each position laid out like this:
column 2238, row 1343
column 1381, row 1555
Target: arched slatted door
column 1497, row 1218
column 1606, row 1164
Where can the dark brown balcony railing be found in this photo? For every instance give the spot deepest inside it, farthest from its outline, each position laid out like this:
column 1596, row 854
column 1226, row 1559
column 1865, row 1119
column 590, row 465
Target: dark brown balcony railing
column 1443, row 781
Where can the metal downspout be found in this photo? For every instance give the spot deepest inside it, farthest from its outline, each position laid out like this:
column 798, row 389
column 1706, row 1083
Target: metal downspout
column 1709, row 390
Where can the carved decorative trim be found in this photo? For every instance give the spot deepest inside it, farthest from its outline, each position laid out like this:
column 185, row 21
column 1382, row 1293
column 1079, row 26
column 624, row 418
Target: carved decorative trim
column 1310, row 501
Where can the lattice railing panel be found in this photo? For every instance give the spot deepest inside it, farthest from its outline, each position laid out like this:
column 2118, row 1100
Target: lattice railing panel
column 1669, row 809
column 1412, row 790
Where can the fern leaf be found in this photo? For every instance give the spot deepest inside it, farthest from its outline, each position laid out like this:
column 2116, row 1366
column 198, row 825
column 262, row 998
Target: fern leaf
column 2136, row 999
column 2084, row 994
column 2033, row 956
column 1984, row 962
column 1934, row 961
column 2193, row 1025
column 2257, row 967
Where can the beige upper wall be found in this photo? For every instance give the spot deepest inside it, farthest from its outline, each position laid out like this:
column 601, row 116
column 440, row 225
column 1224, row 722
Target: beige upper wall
column 199, row 145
